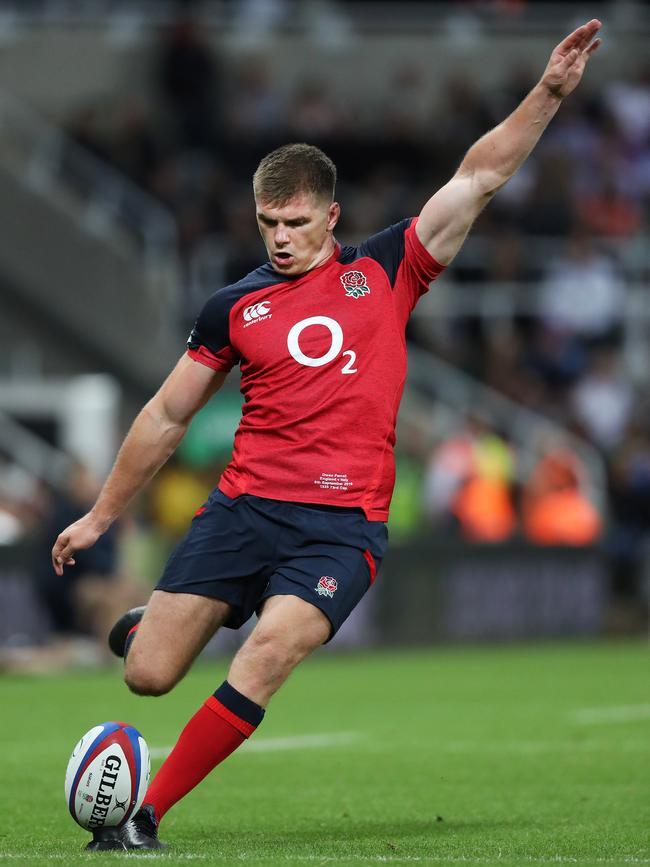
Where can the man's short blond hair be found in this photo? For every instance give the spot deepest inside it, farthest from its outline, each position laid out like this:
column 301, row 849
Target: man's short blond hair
column 294, row 169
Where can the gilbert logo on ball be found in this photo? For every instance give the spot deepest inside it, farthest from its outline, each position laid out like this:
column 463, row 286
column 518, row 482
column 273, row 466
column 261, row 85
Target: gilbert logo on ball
column 107, row 776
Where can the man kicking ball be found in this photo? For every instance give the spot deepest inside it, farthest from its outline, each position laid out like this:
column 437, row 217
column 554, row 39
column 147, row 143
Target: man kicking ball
column 295, row 529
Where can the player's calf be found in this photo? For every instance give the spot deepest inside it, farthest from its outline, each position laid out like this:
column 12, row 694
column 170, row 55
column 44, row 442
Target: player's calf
column 225, row 720
column 289, row 629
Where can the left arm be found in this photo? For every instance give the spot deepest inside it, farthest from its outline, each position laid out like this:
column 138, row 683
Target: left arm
column 447, row 217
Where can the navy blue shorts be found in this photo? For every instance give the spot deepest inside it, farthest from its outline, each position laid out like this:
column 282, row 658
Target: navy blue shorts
column 245, row 550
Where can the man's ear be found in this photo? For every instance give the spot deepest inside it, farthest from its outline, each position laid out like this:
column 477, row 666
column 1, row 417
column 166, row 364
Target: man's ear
column 333, row 215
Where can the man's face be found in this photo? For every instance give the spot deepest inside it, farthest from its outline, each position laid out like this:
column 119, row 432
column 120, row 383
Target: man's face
column 298, row 235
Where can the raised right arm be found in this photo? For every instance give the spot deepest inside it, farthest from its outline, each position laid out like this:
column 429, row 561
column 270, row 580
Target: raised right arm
column 153, row 437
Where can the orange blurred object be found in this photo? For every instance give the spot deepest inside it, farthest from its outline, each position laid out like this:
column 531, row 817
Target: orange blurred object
column 484, row 509
column 555, row 510
column 562, row 518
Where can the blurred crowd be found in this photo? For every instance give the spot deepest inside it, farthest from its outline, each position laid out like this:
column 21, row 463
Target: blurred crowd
column 563, row 243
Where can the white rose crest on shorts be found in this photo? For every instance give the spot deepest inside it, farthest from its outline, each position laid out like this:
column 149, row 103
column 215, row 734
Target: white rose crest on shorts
column 355, row 284
column 326, row 586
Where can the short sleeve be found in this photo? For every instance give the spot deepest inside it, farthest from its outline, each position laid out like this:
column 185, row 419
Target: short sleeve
column 387, row 248
column 417, row 271
column 410, row 268
column 209, row 340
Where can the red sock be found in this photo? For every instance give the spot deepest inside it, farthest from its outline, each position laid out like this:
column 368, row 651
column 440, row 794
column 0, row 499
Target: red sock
column 215, row 731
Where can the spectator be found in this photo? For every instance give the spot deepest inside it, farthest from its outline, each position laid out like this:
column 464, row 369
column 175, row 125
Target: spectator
column 629, row 101
column 257, row 107
column 83, row 604
column 469, row 484
column 548, row 211
column 188, row 79
column 630, row 511
column 177, row 494
column 582, row 292
column 315, row 114
column 407, row 103
column 556, row 510
column 134, row 148
column 602, row 401
column 608, row 213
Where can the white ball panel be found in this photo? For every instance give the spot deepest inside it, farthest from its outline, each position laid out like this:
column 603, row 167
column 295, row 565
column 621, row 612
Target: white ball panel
column 78, row 755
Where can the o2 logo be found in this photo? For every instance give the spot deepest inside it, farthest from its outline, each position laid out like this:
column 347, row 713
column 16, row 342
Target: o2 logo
column 336, row 334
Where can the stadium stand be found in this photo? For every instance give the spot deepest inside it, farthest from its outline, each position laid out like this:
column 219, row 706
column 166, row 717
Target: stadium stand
column 134, row 185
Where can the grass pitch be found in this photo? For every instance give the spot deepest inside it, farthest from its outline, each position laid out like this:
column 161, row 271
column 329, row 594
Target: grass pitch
column 493, row 755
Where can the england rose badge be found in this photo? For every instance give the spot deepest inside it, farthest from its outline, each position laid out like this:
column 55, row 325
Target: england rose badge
column 326, row 586
column 355, row 284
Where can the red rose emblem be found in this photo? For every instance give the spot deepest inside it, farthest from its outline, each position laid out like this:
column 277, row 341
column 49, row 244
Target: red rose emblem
column 353, row 278
column 355, row 284
column 326, row 586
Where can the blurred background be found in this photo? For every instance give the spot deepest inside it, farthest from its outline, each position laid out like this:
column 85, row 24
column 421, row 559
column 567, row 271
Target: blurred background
column 129, row 132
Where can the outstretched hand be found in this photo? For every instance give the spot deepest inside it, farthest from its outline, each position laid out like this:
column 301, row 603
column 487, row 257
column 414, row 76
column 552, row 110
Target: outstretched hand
column 568, row 59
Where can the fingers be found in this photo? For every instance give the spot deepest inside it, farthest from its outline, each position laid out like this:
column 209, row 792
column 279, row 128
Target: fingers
column 583, row 53
column 594, row 45
column 59, row 564
column 569, row 59
column 581, row 37
column 583, row 49
column 571, row 40
column 590, row 29
column 62, row 554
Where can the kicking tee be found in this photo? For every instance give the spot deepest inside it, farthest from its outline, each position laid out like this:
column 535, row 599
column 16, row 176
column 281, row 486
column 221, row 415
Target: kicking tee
column 323, row 366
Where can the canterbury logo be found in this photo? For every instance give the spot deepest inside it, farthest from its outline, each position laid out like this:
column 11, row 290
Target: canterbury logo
column 256, row 310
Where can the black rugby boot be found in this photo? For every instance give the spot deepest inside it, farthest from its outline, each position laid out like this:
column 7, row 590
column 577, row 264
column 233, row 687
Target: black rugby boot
column 106, row 840
column 141, row 831
column 118, row 634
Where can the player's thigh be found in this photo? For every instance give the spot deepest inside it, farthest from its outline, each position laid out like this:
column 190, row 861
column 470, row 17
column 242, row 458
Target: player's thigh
column 173, row 631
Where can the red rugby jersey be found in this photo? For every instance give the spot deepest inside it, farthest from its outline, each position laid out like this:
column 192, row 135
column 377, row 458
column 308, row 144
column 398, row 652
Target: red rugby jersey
column 323, row 365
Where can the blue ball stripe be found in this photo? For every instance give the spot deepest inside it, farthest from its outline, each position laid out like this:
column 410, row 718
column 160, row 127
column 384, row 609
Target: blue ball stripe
column 134, row 734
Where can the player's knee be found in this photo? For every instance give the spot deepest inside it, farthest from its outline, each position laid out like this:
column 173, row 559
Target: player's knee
column 275, row 649
column 144, row 681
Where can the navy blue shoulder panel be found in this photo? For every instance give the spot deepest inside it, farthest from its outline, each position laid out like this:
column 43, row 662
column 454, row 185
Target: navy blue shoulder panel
column 211, row 327
column 386, row 247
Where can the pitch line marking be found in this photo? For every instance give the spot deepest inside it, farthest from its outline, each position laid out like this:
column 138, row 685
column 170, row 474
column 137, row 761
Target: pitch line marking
column 321, row 741
column 532, row 747
column 603, row 715
column 273, row 745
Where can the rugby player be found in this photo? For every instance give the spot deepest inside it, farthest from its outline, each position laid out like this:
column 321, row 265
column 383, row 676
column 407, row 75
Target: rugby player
column 295, row 529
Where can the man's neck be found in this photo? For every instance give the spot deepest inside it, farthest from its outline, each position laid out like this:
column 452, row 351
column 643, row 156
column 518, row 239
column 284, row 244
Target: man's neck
column 324, row 254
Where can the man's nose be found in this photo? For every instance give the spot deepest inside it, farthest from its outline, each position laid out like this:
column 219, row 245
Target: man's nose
column 281, row 235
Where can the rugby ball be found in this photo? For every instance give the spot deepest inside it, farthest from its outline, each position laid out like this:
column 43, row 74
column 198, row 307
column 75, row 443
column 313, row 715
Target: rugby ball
column 107, row 776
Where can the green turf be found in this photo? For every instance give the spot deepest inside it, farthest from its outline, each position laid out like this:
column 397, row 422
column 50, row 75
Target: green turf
column 461, row 756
